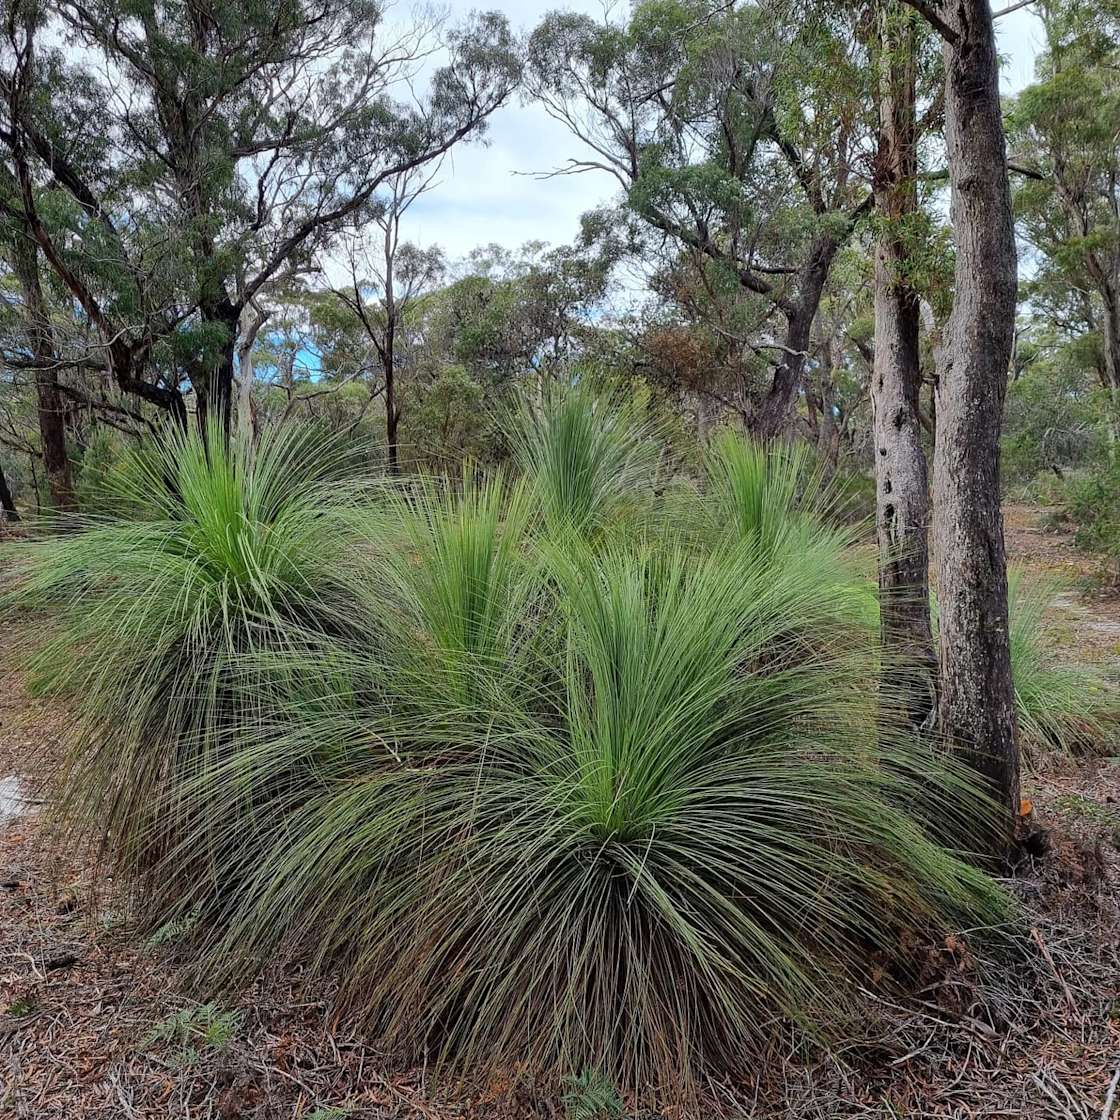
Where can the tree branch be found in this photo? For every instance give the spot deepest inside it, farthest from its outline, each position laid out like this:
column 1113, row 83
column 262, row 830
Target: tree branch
column 1011, row 8
column 933, row 17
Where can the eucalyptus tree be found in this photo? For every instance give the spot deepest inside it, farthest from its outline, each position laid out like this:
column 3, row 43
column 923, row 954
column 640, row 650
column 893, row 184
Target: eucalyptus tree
column 42, row 361
column 523, row 314
column 904, row 72
column 1065, row 131
column 976, row 696
column 738, row 134
column 386, row 276
column 176, row 158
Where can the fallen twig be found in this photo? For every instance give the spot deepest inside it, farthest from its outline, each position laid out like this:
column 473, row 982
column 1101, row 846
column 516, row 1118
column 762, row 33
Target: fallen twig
column 1106, row 1112
column 1037, row 938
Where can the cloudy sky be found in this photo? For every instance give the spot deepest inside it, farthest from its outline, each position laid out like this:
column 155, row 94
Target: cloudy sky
column 483, row 195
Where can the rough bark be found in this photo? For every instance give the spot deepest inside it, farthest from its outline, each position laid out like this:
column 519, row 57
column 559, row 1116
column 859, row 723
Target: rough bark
column 214, row 376
column 1110, row 295
column 8, row 510
column 50, row 407
column 221, row 387
column 902, row 482
column 977, row 710
column 776, row 409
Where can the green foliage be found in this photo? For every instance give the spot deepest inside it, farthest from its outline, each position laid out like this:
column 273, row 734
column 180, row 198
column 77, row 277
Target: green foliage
column 590, row 455
column 1071, row 707
column 534, row 792
column 209, row 250
column 448, row 420
column 590, row 1096
column 764, row 494
column 1092, row 500
column 213, row 552
column 1055, row 414
column 94, row 469
column 666, row 774
column 176, row 929
column 205, row 1027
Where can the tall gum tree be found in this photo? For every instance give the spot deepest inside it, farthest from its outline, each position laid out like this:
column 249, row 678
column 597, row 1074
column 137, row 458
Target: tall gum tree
column 732, row 132
column 976, row 701
column 902, row 479
column 43, row 356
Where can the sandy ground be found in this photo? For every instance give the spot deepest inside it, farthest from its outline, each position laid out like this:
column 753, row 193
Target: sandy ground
column 86, row 1004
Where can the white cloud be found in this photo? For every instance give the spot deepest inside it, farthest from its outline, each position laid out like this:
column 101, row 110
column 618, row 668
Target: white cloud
column 487, row 192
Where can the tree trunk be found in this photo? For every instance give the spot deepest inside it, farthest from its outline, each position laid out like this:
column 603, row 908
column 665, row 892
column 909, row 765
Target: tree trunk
column 392, row 422
column 52, row 413
column 249, row 326
column 1110, row 293
column 7, row 505
column 220, row 388
column 902, row 483
column 389, row 343
column 772, row 417
column 392, row 412
column 212, row 374
column 977, row 708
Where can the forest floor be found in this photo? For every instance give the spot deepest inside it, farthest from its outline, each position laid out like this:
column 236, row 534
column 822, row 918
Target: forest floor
column 95, row 1026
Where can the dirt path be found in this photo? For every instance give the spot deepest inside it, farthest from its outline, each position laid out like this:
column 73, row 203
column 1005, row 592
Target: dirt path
column 94, row 1026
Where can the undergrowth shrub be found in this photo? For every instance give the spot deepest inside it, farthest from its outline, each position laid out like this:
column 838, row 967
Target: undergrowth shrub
column 1092, row 502
column 1069, row 707
column 539, row 795
column 211, row 552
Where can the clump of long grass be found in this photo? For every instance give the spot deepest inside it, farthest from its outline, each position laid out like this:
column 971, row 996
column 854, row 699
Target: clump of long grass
column 216, row 549
column 1059, row 705
column 762, row 494
column 538, row 795
column 590, row 454
column 775, row 503
column 661, row 819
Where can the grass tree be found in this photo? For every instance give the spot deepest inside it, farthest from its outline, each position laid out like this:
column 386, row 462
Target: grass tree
column 544, row 783
column 1059, row 706
column 212, row 552
column 613, row 857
